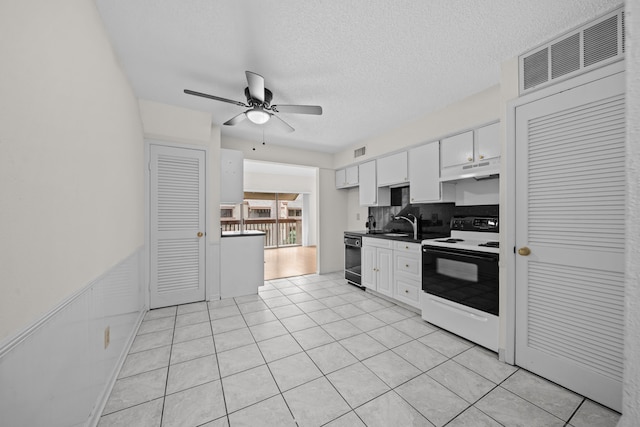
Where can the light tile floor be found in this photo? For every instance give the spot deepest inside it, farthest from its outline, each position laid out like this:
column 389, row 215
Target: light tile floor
column 313, row 350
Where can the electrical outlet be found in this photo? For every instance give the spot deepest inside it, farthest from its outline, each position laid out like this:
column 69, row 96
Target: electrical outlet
column 107, row 336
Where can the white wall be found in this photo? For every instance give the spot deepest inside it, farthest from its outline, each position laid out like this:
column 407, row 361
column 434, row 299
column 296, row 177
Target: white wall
column 71, row 151
column 631, row 395
column 356, row 214
column 332, row 223
column 277, row 154
column 71, row 213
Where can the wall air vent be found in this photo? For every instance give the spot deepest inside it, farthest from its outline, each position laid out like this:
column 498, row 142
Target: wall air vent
column 595, row 44
column 359, row 152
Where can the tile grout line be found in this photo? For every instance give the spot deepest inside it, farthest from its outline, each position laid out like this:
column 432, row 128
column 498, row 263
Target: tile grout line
column 166, row 383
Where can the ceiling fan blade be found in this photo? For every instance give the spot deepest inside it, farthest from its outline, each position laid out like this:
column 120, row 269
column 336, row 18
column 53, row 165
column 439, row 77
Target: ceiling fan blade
column 256, row 85
column 217, row 98
column 278, row 122
column 298, row 109
column 235, row 120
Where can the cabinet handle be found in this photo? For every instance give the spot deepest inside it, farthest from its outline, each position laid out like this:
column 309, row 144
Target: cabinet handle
column 406, row 265
column 470, row 159
column 200, row 234
column 406, row 291
column 481, row 157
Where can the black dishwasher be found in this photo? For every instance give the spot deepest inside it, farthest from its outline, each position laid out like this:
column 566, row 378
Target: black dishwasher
column 352, row 258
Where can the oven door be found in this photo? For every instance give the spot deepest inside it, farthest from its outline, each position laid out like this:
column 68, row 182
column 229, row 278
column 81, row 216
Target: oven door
column 465, row 277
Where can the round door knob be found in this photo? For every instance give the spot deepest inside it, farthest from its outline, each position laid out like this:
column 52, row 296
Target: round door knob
column 524, row 251
column 470, row 159
column 200, row 234
column 406, row 291
column 406, row 265
column 481, row 157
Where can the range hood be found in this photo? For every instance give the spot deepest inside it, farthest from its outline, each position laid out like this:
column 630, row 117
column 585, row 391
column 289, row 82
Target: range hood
column 484, row 169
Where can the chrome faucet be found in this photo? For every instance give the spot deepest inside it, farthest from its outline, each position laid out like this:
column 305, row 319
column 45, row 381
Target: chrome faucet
column 413, row 223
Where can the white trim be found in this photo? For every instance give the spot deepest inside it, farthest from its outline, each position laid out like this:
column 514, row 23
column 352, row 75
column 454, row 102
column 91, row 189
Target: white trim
column 10, row 343
column 507, row 252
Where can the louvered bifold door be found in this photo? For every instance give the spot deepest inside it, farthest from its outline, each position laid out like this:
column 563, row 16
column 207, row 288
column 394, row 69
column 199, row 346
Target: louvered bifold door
column 570, row 205
column 177, row 220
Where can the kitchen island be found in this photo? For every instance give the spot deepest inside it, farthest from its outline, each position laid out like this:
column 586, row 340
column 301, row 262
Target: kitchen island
column 241, row 263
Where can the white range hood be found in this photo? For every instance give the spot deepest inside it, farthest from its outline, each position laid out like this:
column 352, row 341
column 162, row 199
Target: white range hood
column 479, row 170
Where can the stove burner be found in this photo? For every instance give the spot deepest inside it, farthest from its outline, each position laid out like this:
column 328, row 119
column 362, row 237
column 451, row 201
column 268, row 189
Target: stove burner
column 490, row 244
column 450, row 240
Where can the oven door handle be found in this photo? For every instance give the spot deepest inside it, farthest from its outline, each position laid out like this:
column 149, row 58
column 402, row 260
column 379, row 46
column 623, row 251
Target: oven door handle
column 460, row 253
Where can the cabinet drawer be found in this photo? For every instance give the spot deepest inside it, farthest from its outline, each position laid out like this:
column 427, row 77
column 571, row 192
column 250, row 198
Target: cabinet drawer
column 378, row 243
column 408, row 290
column 408, row 264
column 407, row 246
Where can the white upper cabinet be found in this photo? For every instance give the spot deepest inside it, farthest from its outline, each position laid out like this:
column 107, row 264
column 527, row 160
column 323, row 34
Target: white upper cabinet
column 370, row 194
column 475, row 153
column 487, row 142
column 457, row 149
column 392, row 170
column 352, row 176
column 424, row 175
column 231, row 176
column 347, row 177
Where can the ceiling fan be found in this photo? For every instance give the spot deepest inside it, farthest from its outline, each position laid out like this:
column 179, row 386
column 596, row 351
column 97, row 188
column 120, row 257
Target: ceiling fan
column 260, row 110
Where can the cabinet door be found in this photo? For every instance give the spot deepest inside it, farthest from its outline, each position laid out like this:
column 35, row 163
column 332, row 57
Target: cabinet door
column 424, row 173
column 341, row 178
column 457, row 149
column 392, row 169
column 384, row 277
column 368, row 188
column 352, row 175
column 368, row 267
column 488, row 142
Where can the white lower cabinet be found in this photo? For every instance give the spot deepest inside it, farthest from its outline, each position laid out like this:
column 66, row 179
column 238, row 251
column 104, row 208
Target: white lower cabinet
column 377, row 265
column 392, row 268
column 407, row 275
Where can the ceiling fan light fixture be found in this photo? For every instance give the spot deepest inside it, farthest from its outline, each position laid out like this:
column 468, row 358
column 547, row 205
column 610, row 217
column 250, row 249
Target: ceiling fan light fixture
column 258, row 116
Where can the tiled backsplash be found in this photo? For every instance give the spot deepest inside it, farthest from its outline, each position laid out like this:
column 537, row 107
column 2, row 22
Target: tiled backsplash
column 435, row 216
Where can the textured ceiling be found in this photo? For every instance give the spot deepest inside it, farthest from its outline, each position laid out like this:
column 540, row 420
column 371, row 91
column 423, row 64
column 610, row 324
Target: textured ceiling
column 371, row 65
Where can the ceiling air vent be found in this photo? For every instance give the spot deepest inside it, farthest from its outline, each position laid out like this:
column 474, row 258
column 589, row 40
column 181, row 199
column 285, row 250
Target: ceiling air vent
column 359, row 152
column 595, row 44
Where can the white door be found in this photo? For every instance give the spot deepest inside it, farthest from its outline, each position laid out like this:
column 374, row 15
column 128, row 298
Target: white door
column 570, row 208
column 177, row 217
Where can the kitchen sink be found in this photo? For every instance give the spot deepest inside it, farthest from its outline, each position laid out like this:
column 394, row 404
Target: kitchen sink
column 396, row 234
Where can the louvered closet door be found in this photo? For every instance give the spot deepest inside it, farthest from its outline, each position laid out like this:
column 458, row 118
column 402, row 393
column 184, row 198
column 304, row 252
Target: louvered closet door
column 570, row 206
column 177, row 179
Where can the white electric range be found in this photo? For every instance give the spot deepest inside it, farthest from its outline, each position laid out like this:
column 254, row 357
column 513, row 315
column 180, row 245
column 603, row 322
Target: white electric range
column 460, row 280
